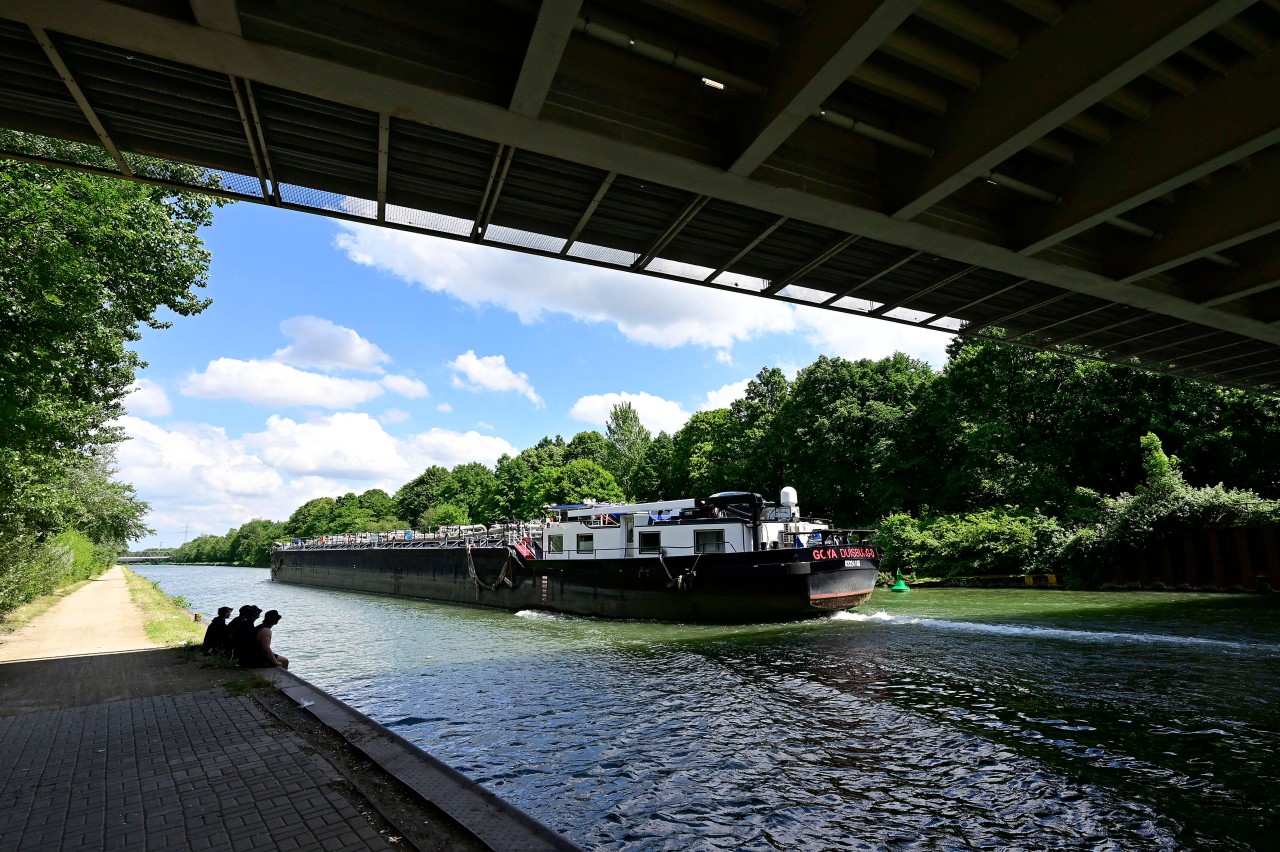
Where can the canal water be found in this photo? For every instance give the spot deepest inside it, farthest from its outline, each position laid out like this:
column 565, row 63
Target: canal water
column 942, row 719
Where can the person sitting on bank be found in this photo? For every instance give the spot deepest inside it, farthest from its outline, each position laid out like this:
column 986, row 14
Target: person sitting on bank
column 215, row 636
column 260, row 654
column 240, row 632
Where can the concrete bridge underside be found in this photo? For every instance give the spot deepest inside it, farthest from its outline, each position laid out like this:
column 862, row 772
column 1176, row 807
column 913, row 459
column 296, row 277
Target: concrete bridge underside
column 1100, row 178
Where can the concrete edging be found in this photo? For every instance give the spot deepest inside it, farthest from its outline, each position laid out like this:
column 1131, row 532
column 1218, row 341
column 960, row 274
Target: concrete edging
column 496, row 823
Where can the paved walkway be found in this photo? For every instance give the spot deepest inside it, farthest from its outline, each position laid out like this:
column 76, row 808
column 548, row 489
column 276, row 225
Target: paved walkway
column 99, row 618
column 106, row 746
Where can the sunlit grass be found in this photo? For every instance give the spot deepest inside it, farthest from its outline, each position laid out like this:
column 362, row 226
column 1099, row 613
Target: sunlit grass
column 165, row 619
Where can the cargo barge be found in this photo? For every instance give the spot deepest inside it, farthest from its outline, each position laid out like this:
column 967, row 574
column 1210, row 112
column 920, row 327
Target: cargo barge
column 731, row 557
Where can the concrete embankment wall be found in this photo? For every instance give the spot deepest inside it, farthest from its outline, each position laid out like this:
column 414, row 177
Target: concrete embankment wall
column 1246, row 559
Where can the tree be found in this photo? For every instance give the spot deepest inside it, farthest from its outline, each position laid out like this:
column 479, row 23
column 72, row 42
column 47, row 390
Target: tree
column 629, row 440
column 516, row 493
column 584, row 481
column 311, row 519
column 702, row 456
column 379, row 503
column 84, row 261
column 473, row 487
column 589, row 445
column 757, row 448
column 442, row 515
column 420, row 493
column 653, row 478
column 843, row 421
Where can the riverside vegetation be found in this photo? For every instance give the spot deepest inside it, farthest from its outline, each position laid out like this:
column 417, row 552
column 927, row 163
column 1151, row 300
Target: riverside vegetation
column 1006, row 461
column 84, row 262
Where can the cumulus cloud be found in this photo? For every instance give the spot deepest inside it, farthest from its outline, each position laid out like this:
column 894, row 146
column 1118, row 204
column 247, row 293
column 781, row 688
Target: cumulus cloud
column 657, row 414
column 393, row 415
column 490, row 373
column 852, row 337
column 405, row 386
column 722, row 396
column 654, row 311
column 145, row 398
column 198, row 476
column 444, row 407
column 325, row 345
column 274, row 383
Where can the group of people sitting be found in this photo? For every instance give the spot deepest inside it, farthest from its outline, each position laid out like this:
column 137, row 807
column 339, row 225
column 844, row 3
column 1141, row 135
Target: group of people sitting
column 242, row 640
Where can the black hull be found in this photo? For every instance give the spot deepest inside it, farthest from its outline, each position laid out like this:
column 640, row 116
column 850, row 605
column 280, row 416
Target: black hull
column 762, row 586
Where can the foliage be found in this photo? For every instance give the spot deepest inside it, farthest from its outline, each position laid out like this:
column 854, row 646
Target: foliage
column 418, row 494
column 249, row 544
column 628, row 442
column 472, row 487
column 85, row 262
column 995, row 541
column 1163, row 504
column 582, row 481
column 30, row 568
column 443, row 515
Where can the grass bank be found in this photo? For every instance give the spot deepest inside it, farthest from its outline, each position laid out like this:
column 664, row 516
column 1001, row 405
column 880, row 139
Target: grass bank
column 166, row 620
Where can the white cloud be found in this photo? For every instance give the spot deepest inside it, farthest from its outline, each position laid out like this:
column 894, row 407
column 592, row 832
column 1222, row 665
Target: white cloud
column 343, row 445
column 445, row 407
column 657, row 414
column 145, row 398
column 405, row 386
column 485, row 425
column 722, row 396
column 393, row 415
column 490, row 373
column 197, row 476
column 320, row 343
column 724, row 356
column 853, row 337
column 273, row 383
column 654, row 311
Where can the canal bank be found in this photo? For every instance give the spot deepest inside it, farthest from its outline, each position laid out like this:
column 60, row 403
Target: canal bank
column 107, row 741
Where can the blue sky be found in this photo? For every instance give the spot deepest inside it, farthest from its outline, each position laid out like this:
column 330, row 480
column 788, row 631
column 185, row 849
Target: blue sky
column 339, row 357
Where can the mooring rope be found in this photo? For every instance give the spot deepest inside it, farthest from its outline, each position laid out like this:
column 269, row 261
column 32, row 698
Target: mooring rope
column 503, row 575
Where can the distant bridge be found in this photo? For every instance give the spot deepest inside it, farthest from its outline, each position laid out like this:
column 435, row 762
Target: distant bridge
column 131, row 560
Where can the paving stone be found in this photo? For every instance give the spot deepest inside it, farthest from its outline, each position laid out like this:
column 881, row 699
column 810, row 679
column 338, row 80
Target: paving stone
column 196, row 771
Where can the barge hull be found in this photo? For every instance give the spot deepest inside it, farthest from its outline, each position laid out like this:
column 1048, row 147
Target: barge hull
column 716, row 588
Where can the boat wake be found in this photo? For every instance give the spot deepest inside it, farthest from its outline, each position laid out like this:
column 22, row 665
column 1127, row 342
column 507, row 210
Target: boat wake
column 1070, row 635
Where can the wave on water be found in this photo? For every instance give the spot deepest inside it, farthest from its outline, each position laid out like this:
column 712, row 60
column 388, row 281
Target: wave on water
column 540, row 615
column 1055, row 632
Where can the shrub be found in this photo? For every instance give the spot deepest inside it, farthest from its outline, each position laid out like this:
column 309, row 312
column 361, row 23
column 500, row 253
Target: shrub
column 995, row 541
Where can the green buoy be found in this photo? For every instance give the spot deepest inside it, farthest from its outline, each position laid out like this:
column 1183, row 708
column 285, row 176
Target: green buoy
column 899, row 584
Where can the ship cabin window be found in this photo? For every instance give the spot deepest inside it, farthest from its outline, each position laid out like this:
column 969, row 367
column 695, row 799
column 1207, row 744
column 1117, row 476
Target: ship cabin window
column 651, row 542
column 586, row 543
column 555, row 544
column 709, row 541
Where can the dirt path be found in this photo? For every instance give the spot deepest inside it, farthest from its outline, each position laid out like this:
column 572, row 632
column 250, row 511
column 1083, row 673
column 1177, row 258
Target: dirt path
column 100, row 618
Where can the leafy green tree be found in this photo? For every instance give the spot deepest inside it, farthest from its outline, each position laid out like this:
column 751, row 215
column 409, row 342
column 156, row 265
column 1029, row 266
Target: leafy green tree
column 653, row 478
column 311, row 519
column 516, row 492
column 589, row 445
column 842, row 422
column 379, row 503
column 442, row 515
column 584, row 481
column 629, row 440
column 757, row 447
column 548, row 453
column 473, row 487
column 702, row 459
column 420, row 493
